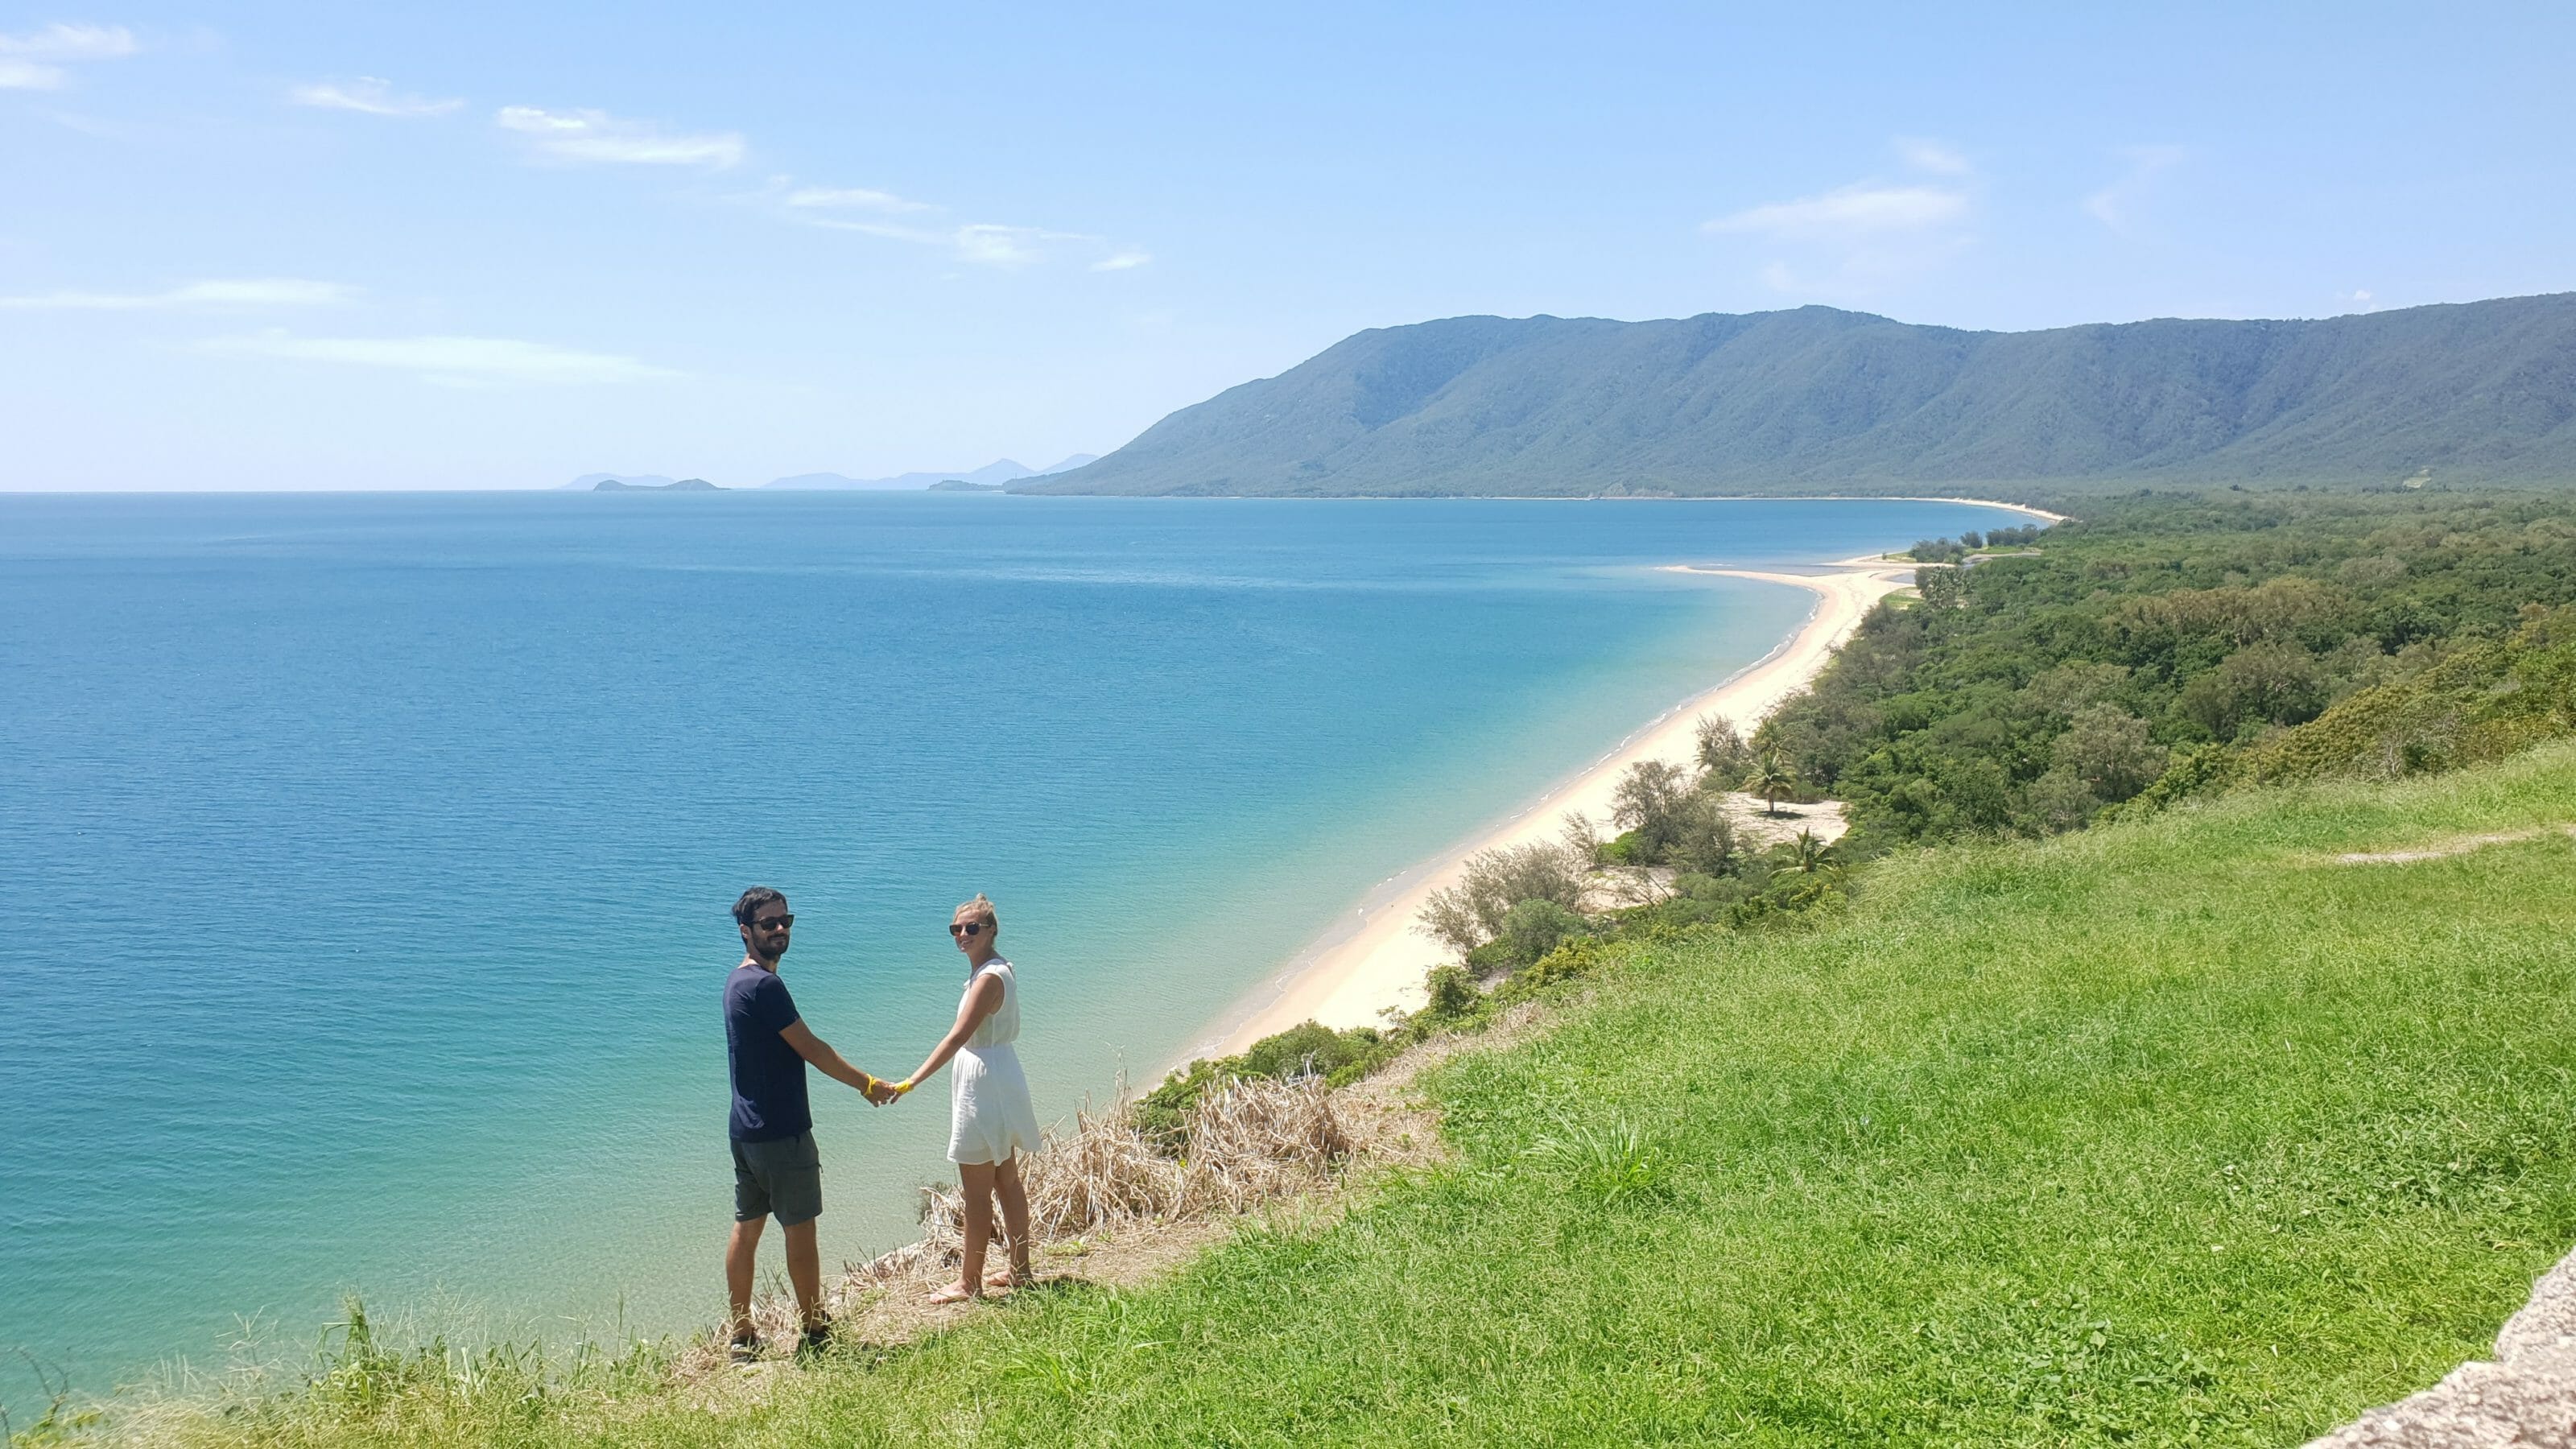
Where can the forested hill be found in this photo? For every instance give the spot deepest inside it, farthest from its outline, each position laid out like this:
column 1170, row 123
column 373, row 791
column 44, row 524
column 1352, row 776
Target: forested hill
column 1818, row 399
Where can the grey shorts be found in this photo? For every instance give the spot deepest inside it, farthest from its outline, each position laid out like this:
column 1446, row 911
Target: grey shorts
column 784, row 1178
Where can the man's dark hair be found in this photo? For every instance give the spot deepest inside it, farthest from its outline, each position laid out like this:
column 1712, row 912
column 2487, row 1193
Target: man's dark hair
column 751, row 902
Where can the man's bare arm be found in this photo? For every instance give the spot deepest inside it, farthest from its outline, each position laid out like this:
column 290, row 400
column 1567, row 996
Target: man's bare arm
column 819, row 1054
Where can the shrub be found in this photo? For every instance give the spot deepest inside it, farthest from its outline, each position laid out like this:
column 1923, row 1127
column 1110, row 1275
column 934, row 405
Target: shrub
column 1650, row 801
column 1307, row 1049
column 2107, row 748
column 1722, row 751
column 1534, row 928
column 1453, row 999
column 1706, row 844
column 2273, row 682
column 2196, row 769
column 1311, row 1049
column 1468, row 914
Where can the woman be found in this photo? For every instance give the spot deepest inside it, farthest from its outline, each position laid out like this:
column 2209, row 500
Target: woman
column 991, row 1120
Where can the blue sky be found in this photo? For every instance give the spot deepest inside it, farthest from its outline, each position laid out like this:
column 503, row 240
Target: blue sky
column 477, row 246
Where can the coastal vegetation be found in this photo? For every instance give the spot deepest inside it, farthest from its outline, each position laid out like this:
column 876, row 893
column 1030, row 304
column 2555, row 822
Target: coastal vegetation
column 2165, row 645
column 1819, row 400
column 1957, row 550
column 2215, row 1125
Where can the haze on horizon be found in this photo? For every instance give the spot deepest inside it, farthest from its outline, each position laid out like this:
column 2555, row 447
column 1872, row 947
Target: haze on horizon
column 260, row 246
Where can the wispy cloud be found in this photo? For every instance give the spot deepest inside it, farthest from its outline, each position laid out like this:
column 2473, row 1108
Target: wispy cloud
column 32, row 62
column 597, row 137
column 2116, row 205
column 929, row 236
column 1932, row 156
column 1011, row 246
column 1858, row 238
column 2358, row 300
column 855, row 198
column 1851, row 211
column 897, row 218
column 370, row 96
column 450, row 361
column 248, row 292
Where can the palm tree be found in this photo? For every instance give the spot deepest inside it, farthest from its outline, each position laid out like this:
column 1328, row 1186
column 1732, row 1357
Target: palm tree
column 1771, row 778
column 1813, row 854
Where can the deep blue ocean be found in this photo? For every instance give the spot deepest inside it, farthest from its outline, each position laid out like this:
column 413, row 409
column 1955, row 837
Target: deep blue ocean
column 365, row 860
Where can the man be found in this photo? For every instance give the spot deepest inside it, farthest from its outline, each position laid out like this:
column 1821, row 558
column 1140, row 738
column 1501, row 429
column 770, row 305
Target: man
column 775, row 1168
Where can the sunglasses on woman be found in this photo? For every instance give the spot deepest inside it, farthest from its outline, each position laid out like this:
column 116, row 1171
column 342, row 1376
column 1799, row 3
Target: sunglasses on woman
column 968, row 929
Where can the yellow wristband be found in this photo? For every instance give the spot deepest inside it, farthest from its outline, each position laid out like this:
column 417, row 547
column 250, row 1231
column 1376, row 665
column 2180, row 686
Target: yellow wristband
column 903, row 1086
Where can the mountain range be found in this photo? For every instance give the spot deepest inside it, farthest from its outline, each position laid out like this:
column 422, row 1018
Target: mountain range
column 1822, row 400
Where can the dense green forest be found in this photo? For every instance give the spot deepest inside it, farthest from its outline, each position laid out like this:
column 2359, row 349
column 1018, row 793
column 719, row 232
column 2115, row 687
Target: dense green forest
column 1817, row 400
column 2166, row 644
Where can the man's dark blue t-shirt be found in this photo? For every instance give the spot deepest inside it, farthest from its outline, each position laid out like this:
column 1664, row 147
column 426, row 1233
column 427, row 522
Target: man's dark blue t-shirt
column 768, row 1075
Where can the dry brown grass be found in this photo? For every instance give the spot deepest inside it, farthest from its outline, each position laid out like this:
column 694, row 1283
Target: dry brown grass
column 1250, row 1142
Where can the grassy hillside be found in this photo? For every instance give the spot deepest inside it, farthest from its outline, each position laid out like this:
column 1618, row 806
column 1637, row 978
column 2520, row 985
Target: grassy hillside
column 2175, row 1130
column 1819, row 399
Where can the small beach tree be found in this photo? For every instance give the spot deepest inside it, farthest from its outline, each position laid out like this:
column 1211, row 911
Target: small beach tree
column 1580, row 838
column 1466, row 915
column 1942, row 588
column 1772, row 778
column 1649, row 800
column 1708, row 844
column 1722, row 751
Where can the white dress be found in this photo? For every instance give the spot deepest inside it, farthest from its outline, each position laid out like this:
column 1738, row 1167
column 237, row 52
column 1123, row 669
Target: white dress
column 988, row 1095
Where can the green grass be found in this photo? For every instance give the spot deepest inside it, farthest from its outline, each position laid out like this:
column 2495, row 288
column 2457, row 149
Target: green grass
column 2168, row 1132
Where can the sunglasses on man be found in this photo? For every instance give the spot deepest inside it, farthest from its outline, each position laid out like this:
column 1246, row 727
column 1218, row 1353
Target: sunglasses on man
column 772, row 923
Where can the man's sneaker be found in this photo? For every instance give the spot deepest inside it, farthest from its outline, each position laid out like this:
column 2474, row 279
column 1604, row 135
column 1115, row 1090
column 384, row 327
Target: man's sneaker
column 743, row 1350
column 818, row 1337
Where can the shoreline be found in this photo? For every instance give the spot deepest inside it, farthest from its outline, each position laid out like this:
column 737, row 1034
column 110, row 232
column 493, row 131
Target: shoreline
column 1374, row 960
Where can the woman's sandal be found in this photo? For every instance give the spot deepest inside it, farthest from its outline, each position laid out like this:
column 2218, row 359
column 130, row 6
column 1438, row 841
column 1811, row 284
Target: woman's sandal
column 953, row 1293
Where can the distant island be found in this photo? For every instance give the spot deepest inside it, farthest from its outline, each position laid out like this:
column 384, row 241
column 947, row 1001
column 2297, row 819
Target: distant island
column 962, row 485
column 684, row 485
column 1818, row 400
column 994, row 475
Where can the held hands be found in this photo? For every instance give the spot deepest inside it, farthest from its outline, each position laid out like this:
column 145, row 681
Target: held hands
column 881, row 1092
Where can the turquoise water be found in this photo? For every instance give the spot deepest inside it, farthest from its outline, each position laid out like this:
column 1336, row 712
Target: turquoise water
column 364, row 860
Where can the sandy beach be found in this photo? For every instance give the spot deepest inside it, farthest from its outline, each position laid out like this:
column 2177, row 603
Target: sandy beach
column 1376, row 959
